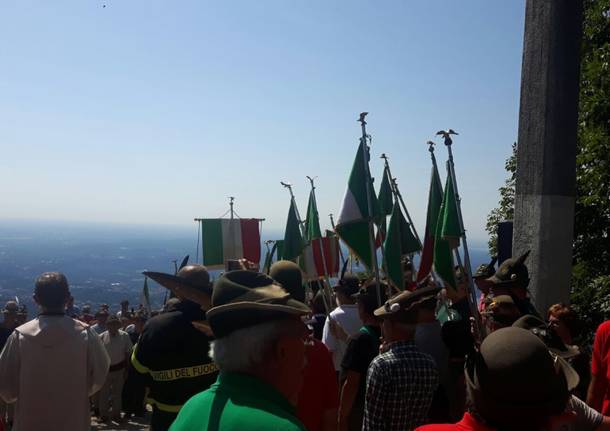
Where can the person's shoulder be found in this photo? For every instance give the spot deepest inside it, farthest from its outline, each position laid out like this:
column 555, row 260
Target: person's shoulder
column 425, row 358
column 201, row 399
column 381, row 360
column 336, row 312
column 360, row 340
column 604, row 328
column 194, row 413
column 162, row 321
column 29, row 328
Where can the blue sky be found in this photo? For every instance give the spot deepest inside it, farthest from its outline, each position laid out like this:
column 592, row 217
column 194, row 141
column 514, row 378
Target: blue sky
column 154, row 112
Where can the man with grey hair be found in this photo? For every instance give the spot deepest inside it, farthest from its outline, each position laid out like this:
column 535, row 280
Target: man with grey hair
column 52, row 364
column 260, row 351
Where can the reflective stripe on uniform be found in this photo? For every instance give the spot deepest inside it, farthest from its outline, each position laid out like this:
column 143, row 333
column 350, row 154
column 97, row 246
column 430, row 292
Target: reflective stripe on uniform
column 169, row 408
column 136, row 364
column 183, row 373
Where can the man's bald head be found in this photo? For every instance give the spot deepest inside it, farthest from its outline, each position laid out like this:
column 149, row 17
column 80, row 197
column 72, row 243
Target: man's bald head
column 52, row 290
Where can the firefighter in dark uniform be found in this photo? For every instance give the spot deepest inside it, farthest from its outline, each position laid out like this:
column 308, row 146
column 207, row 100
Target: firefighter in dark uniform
column 173, row 348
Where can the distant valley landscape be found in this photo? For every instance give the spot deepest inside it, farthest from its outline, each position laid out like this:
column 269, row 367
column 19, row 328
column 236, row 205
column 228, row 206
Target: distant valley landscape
column 103, row 262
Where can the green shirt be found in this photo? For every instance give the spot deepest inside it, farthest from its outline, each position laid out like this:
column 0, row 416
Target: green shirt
column 238, row 402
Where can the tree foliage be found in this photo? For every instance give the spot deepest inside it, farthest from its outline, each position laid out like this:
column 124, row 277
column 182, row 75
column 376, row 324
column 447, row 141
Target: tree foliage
column 591, row 272
column 506, row 206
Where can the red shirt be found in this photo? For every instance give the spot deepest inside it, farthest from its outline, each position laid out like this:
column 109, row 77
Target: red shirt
column 600, row 360
column 320, row 391
column 468, row 423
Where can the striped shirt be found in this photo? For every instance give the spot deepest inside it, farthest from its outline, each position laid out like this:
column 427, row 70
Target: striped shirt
column 400, row 384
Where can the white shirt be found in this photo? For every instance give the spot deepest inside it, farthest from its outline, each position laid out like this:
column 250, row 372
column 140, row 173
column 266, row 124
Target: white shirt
column 347, row 317
column 117, row 347
column 49, row 367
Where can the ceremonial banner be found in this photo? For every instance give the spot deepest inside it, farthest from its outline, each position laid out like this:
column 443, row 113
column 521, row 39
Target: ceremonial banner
column 386, row 197
column 312, row 222
column 392, row 247
column 443, row 259
column 293, row 240
column 352, row 224
column 450, row 224
column 225, row 239
column 408, row 242
column 435, row 198
column 313, row 264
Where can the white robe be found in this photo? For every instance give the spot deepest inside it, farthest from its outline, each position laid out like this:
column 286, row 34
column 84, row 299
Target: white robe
column 49, row 367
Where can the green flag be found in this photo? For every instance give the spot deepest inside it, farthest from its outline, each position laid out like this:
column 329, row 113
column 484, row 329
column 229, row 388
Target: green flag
column 312, row 222
column 293, row 240
column 450, row 224
column 409, row 243
column 392, row 247
column 280, row 249
column 385, row 199
column 443, row 259
column 435, row 199
column 352, row 224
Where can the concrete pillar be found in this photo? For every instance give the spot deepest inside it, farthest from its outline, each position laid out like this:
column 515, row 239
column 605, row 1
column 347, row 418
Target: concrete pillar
column 546, row 153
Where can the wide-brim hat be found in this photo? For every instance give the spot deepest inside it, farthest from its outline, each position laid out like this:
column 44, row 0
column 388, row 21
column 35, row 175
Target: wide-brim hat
column 11, row 307
column 245, row 298
column 485, row 270
column 190, row 277
column 349, row 284
column 289, row 275
column 512, row 272
column 514, row 374
column 548, row 336
column 405, row 301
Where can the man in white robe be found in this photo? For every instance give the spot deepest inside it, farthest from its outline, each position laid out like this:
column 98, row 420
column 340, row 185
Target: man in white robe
column 51, row 365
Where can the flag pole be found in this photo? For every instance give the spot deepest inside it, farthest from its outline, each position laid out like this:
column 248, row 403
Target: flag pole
column 327, row 285
column 397, row 193
column 369, row 202
column 332, row 223
column 471, row 289
column 231, row 200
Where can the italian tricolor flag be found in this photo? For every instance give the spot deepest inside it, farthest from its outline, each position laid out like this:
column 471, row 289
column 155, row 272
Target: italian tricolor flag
column 352, row 224
column 225, row 239
column 320, row 254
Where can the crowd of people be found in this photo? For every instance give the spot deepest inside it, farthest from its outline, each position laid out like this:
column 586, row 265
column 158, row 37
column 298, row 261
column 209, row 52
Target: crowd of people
column 263, row 351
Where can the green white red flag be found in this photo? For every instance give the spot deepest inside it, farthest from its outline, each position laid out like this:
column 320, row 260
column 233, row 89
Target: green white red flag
column 226, row 239
column 320, row 258
column 326, row 248
column 352, row 224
